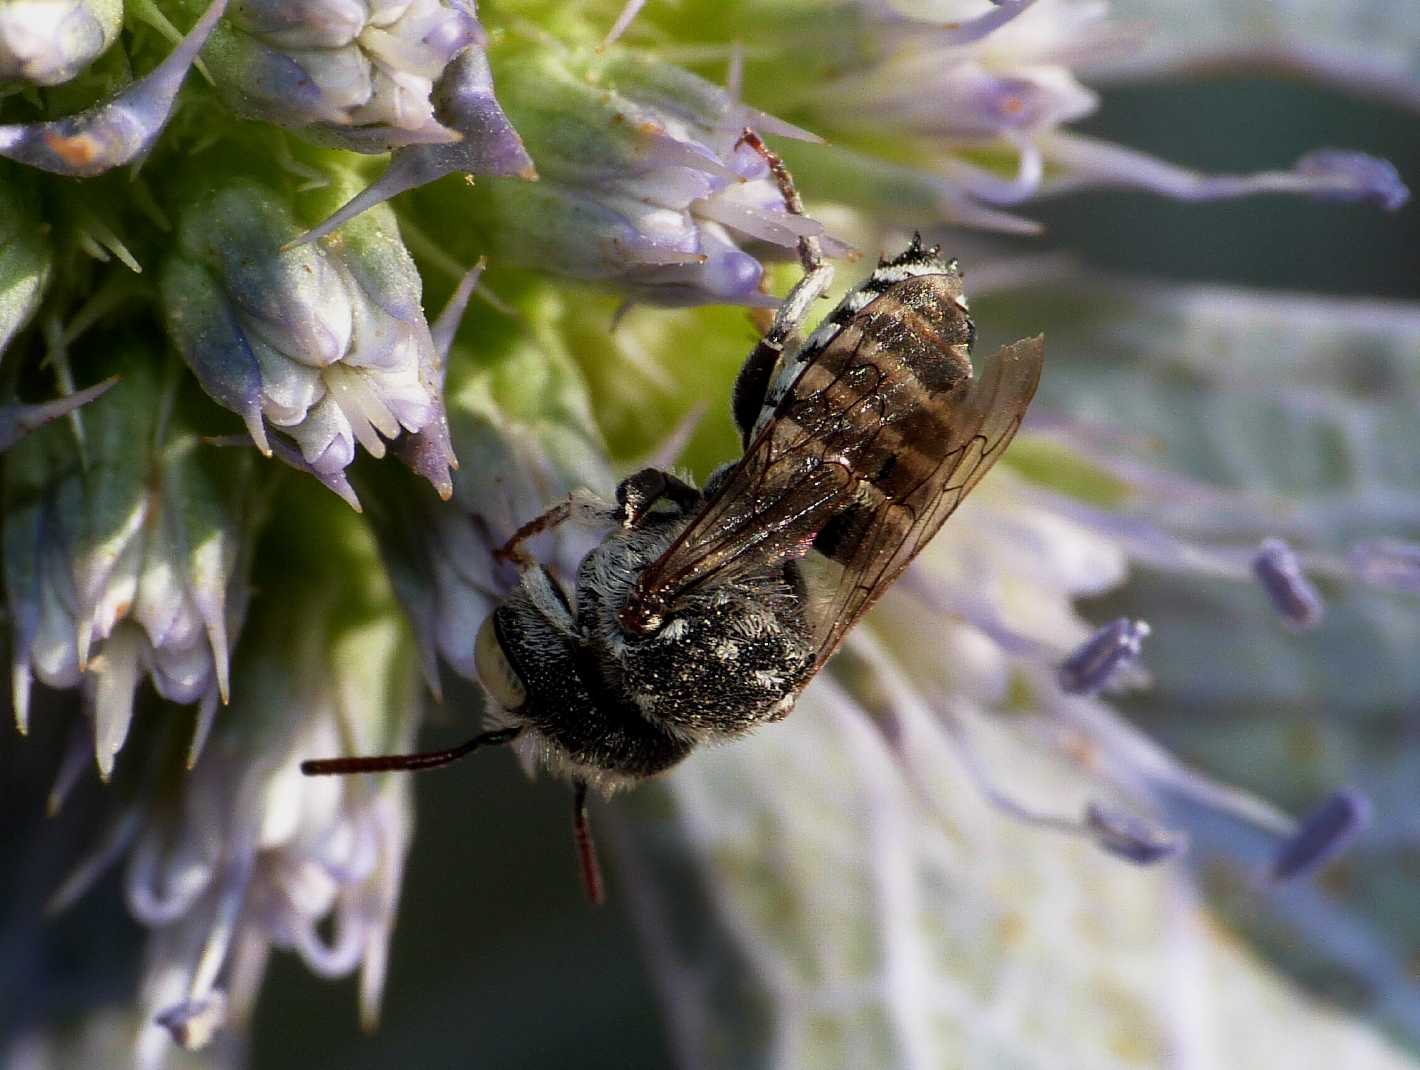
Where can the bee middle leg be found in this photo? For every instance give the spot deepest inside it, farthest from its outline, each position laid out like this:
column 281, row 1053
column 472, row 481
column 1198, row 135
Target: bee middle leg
column 640, row 491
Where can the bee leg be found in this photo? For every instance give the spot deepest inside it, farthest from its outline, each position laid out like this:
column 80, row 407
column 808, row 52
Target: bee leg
column 586, row 849
column 757, row 372
column 639, row 492
column 581, row 506
column 384, row 763
column 752, row 384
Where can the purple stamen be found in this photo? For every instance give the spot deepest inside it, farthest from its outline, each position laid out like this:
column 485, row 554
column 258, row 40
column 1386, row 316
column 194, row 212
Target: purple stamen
column 1095, row 662
column 193, row 1022
column 1132, row 837
column 1322, row 835
column 1280, row 573
column 1356, row 177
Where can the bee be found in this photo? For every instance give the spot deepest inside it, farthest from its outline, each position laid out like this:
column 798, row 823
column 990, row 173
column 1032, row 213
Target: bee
column 704, row 613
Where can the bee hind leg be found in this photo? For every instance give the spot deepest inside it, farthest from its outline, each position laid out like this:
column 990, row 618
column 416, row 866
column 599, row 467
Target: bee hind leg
column 586, row 849
column 752, row 384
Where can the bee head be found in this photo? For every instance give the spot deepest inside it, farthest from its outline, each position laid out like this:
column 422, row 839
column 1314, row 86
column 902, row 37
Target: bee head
column 916, row 255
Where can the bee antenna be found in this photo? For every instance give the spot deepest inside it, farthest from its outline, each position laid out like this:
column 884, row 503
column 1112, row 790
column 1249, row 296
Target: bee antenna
column 586, row 848
column 384, row 763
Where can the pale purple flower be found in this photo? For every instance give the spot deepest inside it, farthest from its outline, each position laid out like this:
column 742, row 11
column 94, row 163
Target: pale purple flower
column 129, row 565
column 644, row 186
column 253, row 856
column 1008, row 83
column 117, row 131
column 463, row 102
column 357, row 74
column 48, row 42
column 327, row 346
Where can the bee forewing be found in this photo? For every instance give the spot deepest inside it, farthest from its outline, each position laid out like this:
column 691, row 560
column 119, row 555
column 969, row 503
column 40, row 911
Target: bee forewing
column 873, row 547
column 866, row 450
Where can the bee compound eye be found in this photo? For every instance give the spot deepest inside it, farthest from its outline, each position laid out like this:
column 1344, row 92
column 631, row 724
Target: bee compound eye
column 494, row 669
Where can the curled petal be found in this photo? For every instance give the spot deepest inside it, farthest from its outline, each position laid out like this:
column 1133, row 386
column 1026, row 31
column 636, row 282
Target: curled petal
column 339, row 957
column 162, row 890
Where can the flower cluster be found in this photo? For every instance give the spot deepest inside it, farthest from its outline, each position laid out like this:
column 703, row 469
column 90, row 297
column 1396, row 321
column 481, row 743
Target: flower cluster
column 125, row 555
column 221, row 222
column 330, row 346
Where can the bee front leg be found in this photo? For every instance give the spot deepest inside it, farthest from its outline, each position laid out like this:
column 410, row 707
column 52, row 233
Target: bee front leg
column 639, row 492
column 581, row 506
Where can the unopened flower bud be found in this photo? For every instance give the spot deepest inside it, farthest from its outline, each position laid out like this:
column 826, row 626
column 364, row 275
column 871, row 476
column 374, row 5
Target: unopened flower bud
column 356, row 74
column 117, row 131
column 128, row 564
column 643, row 182
column 328, row 346
column 463, row 101
column 47, row 42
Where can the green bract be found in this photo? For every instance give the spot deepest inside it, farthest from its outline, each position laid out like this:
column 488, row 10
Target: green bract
column 25, row 255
